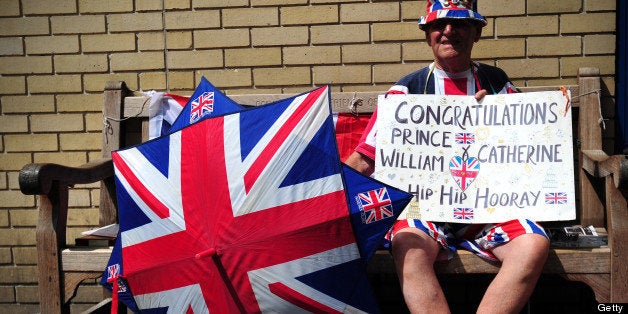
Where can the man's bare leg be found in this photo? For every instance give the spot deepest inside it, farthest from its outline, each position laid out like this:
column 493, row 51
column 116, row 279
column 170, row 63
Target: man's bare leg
column 415, row 253
column 522, row 262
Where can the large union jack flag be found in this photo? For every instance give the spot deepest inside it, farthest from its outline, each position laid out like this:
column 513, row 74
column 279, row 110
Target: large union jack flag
column 245, row 212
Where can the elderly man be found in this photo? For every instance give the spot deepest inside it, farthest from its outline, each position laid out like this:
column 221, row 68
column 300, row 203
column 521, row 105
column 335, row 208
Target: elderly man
column 451, row 29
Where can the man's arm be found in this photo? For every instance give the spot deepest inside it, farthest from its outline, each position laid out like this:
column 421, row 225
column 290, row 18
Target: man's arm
column 361, row 163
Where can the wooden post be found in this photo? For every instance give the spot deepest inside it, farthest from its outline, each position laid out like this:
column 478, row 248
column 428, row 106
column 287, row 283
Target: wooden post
column 590, row 138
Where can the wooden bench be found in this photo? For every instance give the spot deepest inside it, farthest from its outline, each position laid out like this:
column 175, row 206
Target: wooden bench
column 600, row 179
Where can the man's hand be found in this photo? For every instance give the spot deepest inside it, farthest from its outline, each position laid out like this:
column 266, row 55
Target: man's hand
column 479, row 95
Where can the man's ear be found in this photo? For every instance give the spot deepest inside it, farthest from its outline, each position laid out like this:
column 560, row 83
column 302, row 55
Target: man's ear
column 478, row 33
column 427, row 38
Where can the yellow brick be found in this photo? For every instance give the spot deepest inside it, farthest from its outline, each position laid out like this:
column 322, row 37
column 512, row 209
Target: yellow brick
column 93, row 122
column 412, row 10
column 419, row 51
column 501, row 48
column 22, row 104
column 57, row 122
column 31, row 142
column 250, row 17
column 18, row 236
column 195, row 59
column 600, row 5
column 554, row 46
column 192, row 19
column 5, row 258
column 13, row 124
column 24, row 26
column 333, row 34
column 279, row 36
column 68, row 158
column 260, row 3
column 133, row 22
column 82, row 24
column 504, row 7
column 177, row 4
column 370, row 53
column 317, row 14
column 543, row 7
column 109, row 6
column 281, row 76
column 599, row 44
column 15, row 198
column 369, row 12
column 228, row 78
column 4, row 218
column 96, row 82
column 533, row 68
column 311, row 55
column 14, row 161
column 10, row 8
column 3, row 183
column 27, row 294
column 32, row 7
column 24, row 218
column 178, row 40
column 397, row 31
column 252, row 57
column 587, row 23
column 11, row 46
column 80, row 63
column 569, row 65
column 80, row 141
column 14, row 180
column 52, row 44
column 530, row 25
column 350, row 74
column 54, row 83
column 221, row 38
column 219, row 3
column 26, row 65
column 108, row 42
column 137, row 61
column 391, row 73
column 12, row 85
column 176, row 80
column 155, row 40
column 79, row 102
column 21, row 274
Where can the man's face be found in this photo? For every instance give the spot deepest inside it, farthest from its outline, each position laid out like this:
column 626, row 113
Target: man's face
column 452, row 41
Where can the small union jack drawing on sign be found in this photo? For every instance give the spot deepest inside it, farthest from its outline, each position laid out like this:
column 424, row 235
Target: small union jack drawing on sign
column 556, row 198
column 465, row 138
column 463, row 213
column 375, row 205
column 201, row 106
column 113, row 271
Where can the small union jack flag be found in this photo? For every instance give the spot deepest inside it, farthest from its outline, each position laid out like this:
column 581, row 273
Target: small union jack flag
column 465, row 138
column 556, row 198
column 201, row 106
column 113, row 271
column 375, row 205
column 463, row 213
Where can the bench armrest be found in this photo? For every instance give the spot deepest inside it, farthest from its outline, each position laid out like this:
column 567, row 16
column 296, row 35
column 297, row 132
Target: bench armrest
column 37, row 179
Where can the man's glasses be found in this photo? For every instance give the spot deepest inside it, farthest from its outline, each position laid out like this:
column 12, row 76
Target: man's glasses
column 441, row 24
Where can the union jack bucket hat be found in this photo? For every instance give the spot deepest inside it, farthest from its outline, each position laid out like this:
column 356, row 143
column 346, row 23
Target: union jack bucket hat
column 451, row 9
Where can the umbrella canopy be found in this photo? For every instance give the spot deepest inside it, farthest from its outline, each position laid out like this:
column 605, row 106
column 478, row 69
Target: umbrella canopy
column 246, row 212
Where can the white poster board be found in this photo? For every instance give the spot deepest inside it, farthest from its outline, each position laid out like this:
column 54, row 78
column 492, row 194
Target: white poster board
column 505, row 157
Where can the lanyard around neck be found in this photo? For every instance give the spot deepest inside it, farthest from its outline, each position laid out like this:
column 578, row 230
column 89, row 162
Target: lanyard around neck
column 478, row 87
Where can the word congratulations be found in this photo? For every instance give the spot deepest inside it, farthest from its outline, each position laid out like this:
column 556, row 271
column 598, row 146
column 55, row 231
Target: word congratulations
column 477, row 115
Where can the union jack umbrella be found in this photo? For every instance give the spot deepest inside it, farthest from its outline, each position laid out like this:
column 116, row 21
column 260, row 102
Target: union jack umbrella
column 246, row 212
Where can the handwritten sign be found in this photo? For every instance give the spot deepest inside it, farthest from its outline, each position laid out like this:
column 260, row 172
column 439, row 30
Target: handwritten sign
column 506, row 157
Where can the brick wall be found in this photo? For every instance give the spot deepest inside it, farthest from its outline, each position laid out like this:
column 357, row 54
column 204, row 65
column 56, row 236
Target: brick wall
column 55, row 57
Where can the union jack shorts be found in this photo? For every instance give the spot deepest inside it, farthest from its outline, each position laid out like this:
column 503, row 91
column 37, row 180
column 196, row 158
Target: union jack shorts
column 480, row 239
